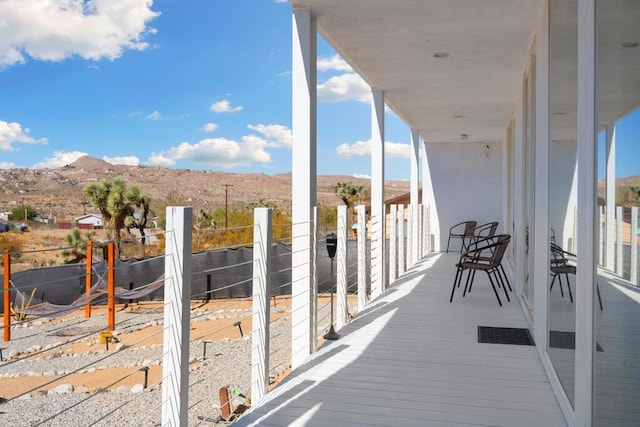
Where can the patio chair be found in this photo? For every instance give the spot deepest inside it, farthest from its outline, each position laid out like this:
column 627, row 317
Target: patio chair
column 463, row 231
column 561, row 265
column 485, row 230
column 485, row 255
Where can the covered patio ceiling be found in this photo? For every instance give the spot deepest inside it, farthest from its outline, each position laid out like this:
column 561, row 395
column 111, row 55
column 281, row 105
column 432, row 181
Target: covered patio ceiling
column 448, row 67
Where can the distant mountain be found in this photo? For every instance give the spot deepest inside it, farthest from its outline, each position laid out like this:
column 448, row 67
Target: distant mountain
column 58, row 192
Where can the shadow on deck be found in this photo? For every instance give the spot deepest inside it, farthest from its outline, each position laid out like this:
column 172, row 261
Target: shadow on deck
column 412, row 358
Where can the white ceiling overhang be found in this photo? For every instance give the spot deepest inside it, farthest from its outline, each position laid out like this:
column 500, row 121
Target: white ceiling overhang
column 392, row 44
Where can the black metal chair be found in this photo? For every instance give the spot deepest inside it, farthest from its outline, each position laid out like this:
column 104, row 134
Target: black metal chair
column 485, row 230
column 561, row 265
column 464, row 230
column 485, row 255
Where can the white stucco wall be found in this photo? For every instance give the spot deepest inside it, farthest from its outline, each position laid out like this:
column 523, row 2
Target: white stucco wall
column 467, row 184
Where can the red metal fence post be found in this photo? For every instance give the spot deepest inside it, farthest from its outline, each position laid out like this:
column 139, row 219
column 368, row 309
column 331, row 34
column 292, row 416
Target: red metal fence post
column 89, row 261
column 111, row 287
column 7, row 295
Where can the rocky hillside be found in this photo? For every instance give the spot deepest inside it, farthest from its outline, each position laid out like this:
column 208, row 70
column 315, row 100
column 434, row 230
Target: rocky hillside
column 58, row 192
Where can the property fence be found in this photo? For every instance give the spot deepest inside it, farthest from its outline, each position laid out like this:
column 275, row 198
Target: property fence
column 242, row 347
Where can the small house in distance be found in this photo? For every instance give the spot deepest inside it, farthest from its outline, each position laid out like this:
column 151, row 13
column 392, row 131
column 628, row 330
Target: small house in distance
column 89, row 221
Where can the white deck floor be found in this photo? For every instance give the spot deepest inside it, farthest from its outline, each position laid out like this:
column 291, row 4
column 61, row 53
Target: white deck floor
column 411, row 358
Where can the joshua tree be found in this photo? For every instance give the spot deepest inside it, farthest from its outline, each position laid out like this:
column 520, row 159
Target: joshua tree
column 120, row 206
column 77, row 247
column 349, row 192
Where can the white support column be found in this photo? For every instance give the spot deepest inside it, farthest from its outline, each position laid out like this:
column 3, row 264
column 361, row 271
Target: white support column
column 420, row 251
column 610, row 198
column 261, row 318
column 175, row 340
column 619, row 254
column 377, row 194
column 415, row 231
column 602, row 248
column 428, row 198
column 393, row 244
column 414, row 195
column 342, row 310
column 314, row 281
column 634, row 245
column 409, row 236
column 587, row 199
column 303, row 184
column 402, row 247
column 427, row 230
column 362, row 257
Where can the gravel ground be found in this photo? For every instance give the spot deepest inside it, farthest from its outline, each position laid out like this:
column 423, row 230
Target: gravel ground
column 228, row 362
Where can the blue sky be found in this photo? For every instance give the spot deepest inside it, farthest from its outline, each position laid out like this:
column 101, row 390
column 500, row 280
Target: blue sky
column 196, row 84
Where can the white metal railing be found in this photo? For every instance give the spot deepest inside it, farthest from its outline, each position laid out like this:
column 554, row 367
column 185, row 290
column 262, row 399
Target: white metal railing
column 619, row 248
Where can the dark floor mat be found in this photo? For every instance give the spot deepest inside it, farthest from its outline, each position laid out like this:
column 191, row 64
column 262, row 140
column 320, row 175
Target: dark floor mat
column 493, row 335
column 566, row 340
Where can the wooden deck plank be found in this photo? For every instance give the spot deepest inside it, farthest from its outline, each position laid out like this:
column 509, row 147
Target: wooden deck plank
column 411, row 358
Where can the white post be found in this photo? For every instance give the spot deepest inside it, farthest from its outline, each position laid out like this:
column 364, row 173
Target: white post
column 177, row 293
column 602, row 236
column 414, row 196
column 342, row 310
column 410, row 236
column 261, row 293
column 401, row 243
column 377, row 193
column 303, row 185
column 421, row 210
column 313, row 343
column 362, row 254
column 619, row 254
column 634, row 245
column 427, row 230
column 610, row 198
column 415, row 232
column 393, row 240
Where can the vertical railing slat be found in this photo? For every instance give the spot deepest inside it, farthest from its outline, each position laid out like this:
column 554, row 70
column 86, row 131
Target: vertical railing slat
column 177, row 293
column 342, row 311
column 260, row 302
column 362, row 257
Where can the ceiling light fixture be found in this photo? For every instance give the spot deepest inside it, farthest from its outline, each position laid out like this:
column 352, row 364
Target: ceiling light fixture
column 626, row 45
column 458, row 116
column 464, row 136
column 441, row 55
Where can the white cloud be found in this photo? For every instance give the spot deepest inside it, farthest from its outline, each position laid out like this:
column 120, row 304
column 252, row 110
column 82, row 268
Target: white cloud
column 59, row 159
column 122, row 160
column 224, row 106
column 135, row 113
column 209, row 127
column 345, row 87
column 221, row 152
column 277, row 135
column 7, row 165
column 53, row 30
column 155, row 115
column 363, row 148
column 12, row 133
column 361, row 176
column 334, row 62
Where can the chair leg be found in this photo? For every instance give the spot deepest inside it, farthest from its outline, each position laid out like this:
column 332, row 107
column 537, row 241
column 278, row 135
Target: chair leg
column 506, row 278
column 496, row 272
column 599, row 298
column 469, row 284
column 459, row 273
column 569, row 286
column 448, row 241
column 494, row 289
column 560, row 281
